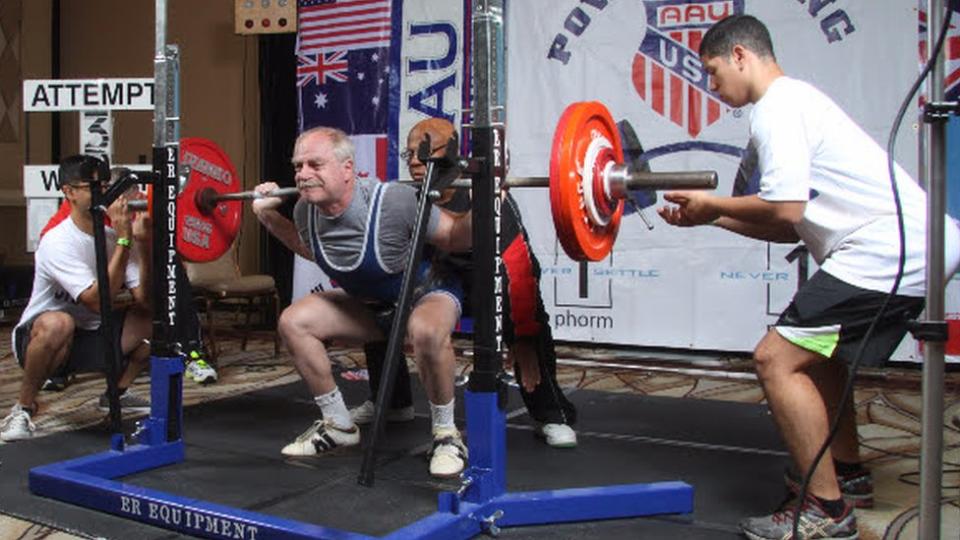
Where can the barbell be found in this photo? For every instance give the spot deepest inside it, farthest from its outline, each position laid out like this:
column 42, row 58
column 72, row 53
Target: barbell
column 588, row 183
column 207, row 198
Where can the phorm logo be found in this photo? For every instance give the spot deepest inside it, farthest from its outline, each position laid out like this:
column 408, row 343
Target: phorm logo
column 667, row 73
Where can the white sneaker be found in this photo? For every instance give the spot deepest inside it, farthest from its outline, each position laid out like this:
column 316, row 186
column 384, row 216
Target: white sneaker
column 449, row 455
column 17, row 426
column 557, row 435
column 363, row 414
column 322, row 437
column 201, row 372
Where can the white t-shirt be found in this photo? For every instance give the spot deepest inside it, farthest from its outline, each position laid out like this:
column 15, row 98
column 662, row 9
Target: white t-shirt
column 64, row 267
column 810, row 150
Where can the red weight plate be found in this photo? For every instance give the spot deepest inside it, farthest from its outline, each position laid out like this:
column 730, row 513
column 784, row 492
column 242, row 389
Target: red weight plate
column 205, row 237
column 580, row 123
column 150, row 200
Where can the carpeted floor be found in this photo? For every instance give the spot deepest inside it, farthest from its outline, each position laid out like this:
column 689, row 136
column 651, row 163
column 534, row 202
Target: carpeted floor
column 888, row 408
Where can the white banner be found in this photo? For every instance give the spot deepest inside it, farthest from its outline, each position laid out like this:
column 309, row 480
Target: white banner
column 701, row 288
column 432, row 64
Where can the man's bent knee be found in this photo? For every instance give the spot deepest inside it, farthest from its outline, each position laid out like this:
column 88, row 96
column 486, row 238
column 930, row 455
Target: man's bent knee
column 53, row 328
column 428, row 338
column 776, row 355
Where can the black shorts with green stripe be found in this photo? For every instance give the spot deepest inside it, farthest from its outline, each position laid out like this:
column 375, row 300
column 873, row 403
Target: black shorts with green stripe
column 830, row 317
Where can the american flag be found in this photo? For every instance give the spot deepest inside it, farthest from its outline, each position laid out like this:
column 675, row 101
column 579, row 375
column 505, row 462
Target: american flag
column 319, row 67
column 337, row 25
column 951, row 79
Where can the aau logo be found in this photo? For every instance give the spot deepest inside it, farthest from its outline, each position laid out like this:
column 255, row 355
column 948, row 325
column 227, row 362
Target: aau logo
column 667, row 72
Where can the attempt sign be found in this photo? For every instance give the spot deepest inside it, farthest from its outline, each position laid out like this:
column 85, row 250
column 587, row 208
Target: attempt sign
column 49, row 95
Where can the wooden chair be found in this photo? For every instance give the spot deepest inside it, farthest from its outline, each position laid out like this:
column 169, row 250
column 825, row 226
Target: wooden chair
column 219, row 284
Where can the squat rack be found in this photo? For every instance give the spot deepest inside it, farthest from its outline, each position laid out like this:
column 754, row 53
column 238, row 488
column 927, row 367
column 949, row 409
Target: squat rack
column 482, row 503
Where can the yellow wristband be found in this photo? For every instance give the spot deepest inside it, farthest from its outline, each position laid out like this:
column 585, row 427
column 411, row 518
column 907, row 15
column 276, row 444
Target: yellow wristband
column 125, row 242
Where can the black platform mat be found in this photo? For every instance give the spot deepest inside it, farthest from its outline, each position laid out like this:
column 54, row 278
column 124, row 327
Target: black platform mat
column 729, row 452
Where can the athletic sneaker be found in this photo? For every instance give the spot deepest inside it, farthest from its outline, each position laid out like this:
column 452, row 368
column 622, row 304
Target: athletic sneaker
column 448, row 457
column 17, row 426
column 856, row 488
column 557, row 435
column 363, row 414
column 322, row 437
column 814, row 524
column 199, row 370
column 129, row 402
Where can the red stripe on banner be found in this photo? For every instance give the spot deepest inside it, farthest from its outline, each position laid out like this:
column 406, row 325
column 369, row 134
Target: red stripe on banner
column 713, row 111
column 694, row 115
column 640, row 76
column 341, row 4
column 382, row 158
column 693, row 40
column 953, row 48
column 330, row 26
column 342, row 7
column 950, row 79
column 339, row 29
column 522, row 288
column 374, row 34
column 676, row 100
column 656, row 77
column 357, row 15
column 677, row 36
column 322, row 45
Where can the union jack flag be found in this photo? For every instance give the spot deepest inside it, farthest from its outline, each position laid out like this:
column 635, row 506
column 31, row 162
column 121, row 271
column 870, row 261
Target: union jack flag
column 666, row 68
column 336, row 25
column 344, row 41
column 951, row 79
column 317, row 68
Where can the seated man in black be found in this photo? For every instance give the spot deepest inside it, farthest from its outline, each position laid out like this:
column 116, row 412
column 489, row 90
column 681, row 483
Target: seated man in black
column 526, row 330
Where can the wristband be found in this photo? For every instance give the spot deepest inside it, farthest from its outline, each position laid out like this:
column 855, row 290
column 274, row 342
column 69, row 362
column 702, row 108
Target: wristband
column 125, row 242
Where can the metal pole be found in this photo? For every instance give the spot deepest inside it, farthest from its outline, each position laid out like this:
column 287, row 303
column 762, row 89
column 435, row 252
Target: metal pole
column 111, row 347
column 487, row 136
column 622, row 181
column 931, row 449
column 166, row 146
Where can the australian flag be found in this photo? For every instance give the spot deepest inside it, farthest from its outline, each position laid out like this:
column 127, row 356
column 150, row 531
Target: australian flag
column 354, row 99
column 343, row 64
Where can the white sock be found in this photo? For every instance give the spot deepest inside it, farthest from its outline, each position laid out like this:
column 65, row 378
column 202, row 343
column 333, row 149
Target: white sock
column 442, row 416
column 334, row 409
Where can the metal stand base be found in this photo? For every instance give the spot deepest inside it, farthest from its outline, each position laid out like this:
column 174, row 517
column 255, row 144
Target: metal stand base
column 482, row 505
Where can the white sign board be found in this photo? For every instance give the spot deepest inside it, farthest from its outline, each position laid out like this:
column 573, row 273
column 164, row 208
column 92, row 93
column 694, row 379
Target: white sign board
column 43, row 182
column 51, row 95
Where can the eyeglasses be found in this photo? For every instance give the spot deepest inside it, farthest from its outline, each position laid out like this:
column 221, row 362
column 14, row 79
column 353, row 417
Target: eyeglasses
column 408, row 154
column 86, row 185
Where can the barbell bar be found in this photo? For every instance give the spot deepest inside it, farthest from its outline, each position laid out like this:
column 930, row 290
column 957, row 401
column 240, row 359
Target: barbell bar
column 621, row 183
column 208, row 198
column 588, row 184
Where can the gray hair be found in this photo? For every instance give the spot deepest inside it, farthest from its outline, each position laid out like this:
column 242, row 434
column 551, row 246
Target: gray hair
column 343, row 146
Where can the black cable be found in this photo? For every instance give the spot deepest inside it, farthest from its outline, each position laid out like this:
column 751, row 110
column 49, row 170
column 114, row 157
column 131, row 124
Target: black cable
column 852, row 370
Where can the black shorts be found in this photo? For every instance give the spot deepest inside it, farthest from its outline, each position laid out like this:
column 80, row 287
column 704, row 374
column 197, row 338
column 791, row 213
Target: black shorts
column 87, row 353
column 830, row 317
